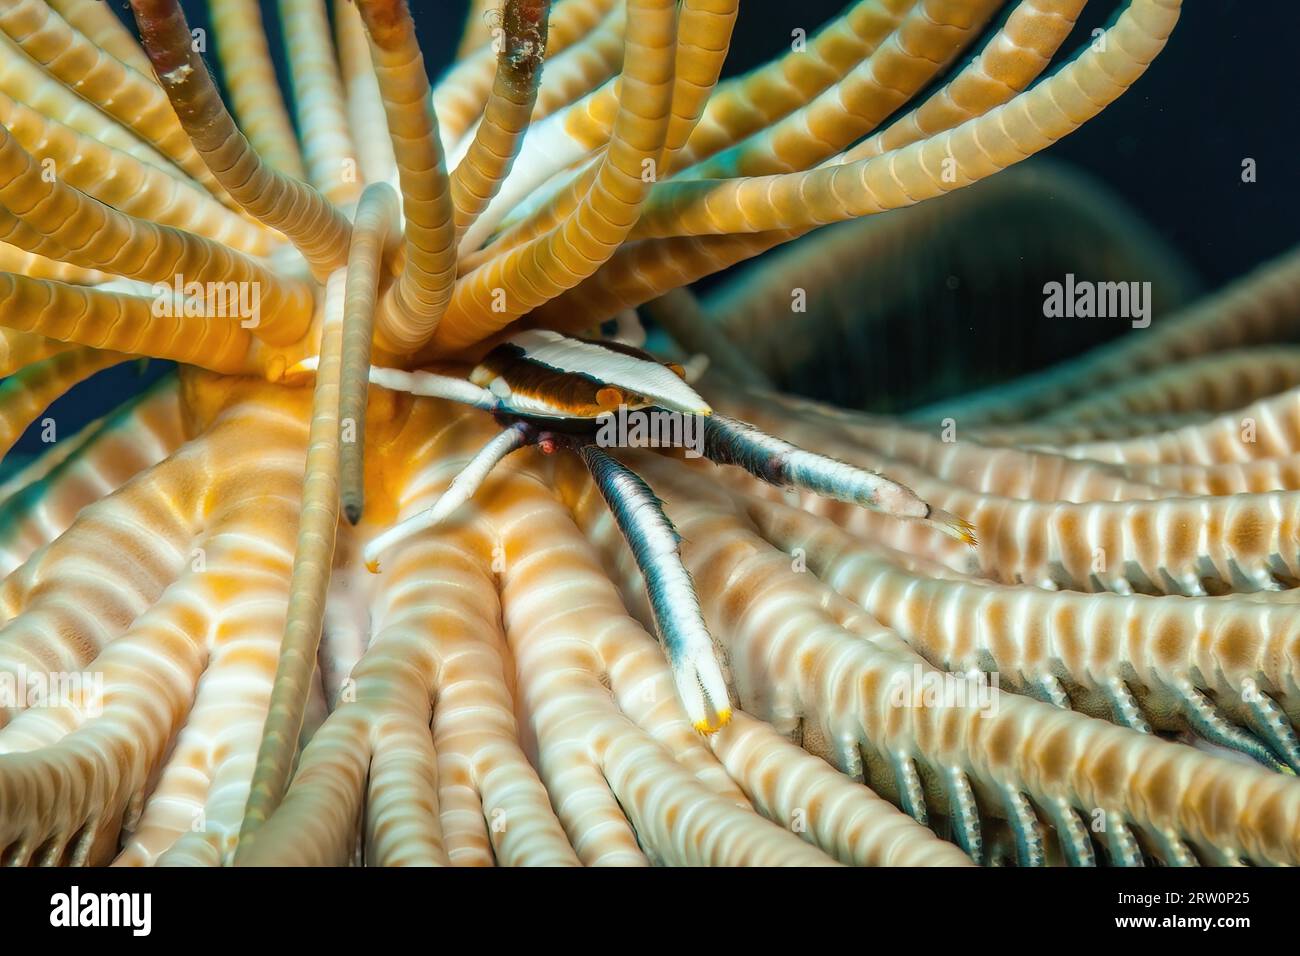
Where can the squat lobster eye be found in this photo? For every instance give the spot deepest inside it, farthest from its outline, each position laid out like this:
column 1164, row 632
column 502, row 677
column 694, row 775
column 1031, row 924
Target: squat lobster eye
column 610, row 398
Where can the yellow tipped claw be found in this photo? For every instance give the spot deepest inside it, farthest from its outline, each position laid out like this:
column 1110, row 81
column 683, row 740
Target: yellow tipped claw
column 705, row 729
column 954, row 526
column 373, row 566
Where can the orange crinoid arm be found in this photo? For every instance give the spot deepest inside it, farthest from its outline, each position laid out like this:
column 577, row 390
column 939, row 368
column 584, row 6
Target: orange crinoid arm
column 302, row 214
column 500, row 291
column 415, row 303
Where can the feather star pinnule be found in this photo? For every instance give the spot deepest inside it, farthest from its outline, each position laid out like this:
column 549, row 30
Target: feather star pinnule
column 440, row 256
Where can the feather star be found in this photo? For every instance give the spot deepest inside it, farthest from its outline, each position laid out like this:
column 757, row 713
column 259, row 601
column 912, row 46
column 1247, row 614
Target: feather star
column 384, row 325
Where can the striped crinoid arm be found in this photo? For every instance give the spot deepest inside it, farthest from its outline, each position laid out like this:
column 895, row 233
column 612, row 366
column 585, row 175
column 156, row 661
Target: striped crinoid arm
column 926, row 39
column 737, row 107
column 1268, row 428
column 746, row 104
column 126, row 183
column 1262, row 307
column 1188, row 545
column 1223, row 669
column 24, row 81
column 500, row 291
column 39, row 502
column 704, row 38
column 312, row 562
column 412, row 307
column 1012, row 59
column 43, row 632
column 578, row 69
column 582, row 133
column 1158, row 544
column 249, row 72
column 1218, row 382
column 305, row 217
column 192, row 814
column 1054, row 436
column 374, row 234
column 24, row 237
column 426, row 750
column 868, row 704
column 462, row 93
column 101, row 26
column 984, row 145
column 20, row 349
column 328, row 149
column 122, row 323
column 155, row 560
column 1252, row 449
column 365, row 103
column 132, row 99
column 644, row 270
column 854, row 824
column 37, row 266
column 487, row 161
column 96, row 236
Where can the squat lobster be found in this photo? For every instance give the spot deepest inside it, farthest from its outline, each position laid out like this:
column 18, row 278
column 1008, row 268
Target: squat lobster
column 553, row 391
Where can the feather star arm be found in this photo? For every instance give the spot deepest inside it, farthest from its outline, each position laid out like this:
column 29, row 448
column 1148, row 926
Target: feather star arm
column 309, row 221
column 746, row 104
column 26, row 82
column 121, row 323
column 97, row 236
column 413, row 306
column 376, row 222
column 976, row 149
column 917, row 51
column 540, row 270
column 313, row 559
column 328, row 151
column 1008, row 63
column 460, row 95
column 479, row 175
column 576, row 70
column 135, row 100
column 126, row 183
column 365, row 103
column 249, row 72
column 101, row 27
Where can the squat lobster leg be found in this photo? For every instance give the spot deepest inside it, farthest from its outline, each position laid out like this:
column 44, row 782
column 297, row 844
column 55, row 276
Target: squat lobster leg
column 676, row 609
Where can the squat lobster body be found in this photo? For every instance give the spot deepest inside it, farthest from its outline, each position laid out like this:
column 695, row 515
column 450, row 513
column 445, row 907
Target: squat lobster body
column 554, row 391
column 548, row 374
